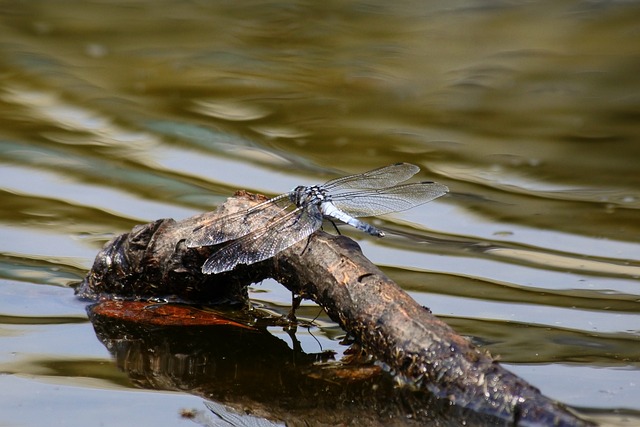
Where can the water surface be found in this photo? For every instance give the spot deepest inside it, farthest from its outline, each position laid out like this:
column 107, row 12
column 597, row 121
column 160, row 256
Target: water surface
column 119, row 113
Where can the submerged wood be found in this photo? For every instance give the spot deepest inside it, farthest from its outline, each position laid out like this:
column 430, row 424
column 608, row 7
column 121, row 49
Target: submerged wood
column 418, row 349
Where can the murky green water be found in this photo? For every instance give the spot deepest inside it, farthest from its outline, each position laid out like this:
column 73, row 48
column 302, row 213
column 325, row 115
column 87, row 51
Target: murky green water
column 118, row 113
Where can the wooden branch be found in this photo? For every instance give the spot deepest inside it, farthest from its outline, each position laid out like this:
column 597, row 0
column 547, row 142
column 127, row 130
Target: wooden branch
column 421, row 351
column 152, row 261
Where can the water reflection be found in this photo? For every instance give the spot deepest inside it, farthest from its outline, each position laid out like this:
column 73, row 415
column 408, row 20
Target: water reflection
column 249, row 369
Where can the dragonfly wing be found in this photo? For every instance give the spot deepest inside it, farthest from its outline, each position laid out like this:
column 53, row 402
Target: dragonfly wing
column 387, row 200
column 276, row 236
column 238, row 224
column 387, row 176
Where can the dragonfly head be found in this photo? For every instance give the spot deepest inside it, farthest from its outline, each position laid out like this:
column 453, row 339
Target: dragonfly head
column 302, row 195
column 298, row 194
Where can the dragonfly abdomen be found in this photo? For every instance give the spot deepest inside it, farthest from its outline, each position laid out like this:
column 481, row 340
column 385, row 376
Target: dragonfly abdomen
column 330, row 210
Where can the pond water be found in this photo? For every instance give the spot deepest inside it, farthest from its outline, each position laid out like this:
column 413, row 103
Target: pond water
column 119, row 113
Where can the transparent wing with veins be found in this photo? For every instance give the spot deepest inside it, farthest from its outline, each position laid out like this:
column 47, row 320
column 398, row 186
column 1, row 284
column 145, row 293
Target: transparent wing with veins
column 384, row 177
column 236, row 225
column 387, row 200
column 276, row 235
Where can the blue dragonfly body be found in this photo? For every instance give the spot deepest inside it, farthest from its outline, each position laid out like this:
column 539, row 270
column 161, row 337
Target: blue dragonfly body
column 253, row 235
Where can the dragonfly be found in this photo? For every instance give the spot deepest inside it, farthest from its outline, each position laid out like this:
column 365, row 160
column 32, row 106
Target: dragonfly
column 264, row 230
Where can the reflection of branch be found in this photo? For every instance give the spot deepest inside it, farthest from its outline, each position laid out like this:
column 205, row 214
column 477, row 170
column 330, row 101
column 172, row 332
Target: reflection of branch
column 420, row 350
column 251, row 370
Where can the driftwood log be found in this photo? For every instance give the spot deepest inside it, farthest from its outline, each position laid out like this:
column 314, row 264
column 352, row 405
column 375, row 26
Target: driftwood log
column 419, row 351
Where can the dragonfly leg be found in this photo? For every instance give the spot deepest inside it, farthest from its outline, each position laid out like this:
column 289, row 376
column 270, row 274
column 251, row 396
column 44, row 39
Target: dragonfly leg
column 306, row 245
column 295, row 304
column 336, row 227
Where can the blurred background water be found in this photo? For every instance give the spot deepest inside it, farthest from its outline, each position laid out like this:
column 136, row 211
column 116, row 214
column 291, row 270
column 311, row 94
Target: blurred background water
column 116, row 113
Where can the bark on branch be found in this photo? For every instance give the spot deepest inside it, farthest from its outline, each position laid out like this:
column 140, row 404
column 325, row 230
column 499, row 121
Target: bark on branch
column 421, row 351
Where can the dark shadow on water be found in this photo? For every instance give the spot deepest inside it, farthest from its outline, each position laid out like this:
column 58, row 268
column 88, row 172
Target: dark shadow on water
column 250, row 371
